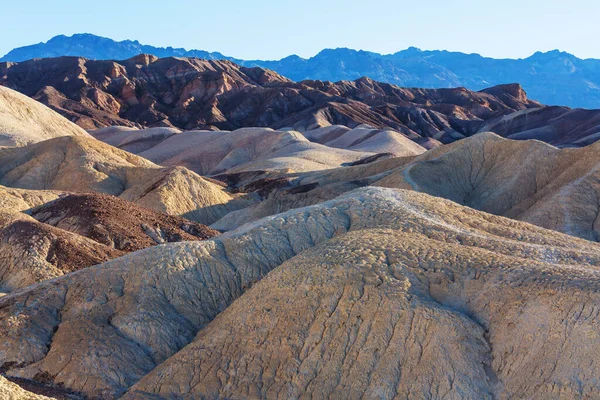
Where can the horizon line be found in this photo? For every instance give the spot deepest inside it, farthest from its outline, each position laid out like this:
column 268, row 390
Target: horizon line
column 296, row 55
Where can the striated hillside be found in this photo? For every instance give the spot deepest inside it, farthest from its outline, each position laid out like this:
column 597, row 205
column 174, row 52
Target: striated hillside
column 88, row 165
column 345, row 261
column 190, row 93
column 24, row 121
column 526, row 180
column 194, row 94
column 520, row 179
column 380, row 292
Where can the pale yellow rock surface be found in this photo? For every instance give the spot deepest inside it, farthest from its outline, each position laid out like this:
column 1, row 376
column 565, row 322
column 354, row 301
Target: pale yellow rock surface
column 379, row 293
column 23, row 199
column 24, row 121
column 12, row 391
column 88, row 165
column 525, row 180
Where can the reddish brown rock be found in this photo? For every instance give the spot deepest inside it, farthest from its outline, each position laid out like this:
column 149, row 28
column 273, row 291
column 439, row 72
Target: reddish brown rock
column 118, row 223
column 200, row 94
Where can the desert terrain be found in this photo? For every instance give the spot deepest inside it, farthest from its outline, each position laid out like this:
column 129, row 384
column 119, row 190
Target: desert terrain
column 176, row 228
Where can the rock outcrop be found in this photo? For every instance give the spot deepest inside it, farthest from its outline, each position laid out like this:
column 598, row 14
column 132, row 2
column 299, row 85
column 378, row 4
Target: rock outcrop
column 32, row 252
column 525, row 180
column 367, row 139
column 552, row 77
column 250, row 150
column 380, row 292
column 133, row 140
column 193, row 94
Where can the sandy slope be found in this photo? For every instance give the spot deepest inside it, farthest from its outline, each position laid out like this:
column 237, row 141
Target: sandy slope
column 441, row 299
column 88, row 165
column 24, row 121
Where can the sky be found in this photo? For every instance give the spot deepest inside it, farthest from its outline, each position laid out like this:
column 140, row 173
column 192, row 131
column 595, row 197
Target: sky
column 266, row 29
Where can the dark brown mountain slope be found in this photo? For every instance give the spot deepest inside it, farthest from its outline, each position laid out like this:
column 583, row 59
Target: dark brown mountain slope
column 118, row 223
column 200, row 94
column 33, row 252
column 77, row 231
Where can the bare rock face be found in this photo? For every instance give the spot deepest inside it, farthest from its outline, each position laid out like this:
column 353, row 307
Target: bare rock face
column 33, row 252
column 284, row 192
column 192, row 94
column 139, row 91
column 133, row 140
column 379, row 293
column 77, row 231
column 118, row 223
column 365, row 138
column 526, row 180
column 24, row 121
column 88, row 165
column 249, row 149
column 559, row 126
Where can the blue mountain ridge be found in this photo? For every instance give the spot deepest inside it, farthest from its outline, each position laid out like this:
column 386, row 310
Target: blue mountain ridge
column 554, row 77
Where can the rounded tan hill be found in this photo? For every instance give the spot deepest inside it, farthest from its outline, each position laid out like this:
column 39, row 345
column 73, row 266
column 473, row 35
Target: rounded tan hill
column 87, row 165
column 253, row 144
column 525, row 180
column 24, row 121
column 32, row 252
column 248, row 149
column 118, row 223
column 379, row 293
column 133, row 140
column 23, row 199
column 365, row 138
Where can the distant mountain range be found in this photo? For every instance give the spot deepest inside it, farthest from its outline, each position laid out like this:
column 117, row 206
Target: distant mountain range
column 555, row 78
column 190, row 93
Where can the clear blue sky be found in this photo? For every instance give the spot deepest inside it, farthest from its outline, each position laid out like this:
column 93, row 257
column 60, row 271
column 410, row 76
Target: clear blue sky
column 271, row 29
